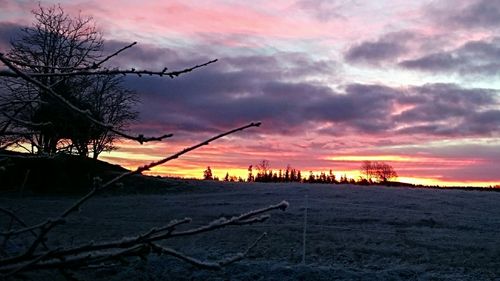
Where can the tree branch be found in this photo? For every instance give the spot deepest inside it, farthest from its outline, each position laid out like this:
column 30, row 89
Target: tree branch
column 217, row 265
column 84, row 72
column 92, row 253
column 98, row 64
column 46, row 226
column 47, row 90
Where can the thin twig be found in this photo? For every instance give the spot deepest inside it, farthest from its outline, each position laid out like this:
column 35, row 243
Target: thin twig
column 205, row 264
column 123, row 243
column 223, row 222
column 164, row 72
column 97, row 65
column 76, row 261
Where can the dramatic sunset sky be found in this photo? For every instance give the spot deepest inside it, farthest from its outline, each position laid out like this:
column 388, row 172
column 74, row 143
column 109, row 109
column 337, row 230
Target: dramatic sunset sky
column 412, row 83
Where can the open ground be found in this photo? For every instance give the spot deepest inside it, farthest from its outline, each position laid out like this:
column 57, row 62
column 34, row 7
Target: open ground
column 351, row 232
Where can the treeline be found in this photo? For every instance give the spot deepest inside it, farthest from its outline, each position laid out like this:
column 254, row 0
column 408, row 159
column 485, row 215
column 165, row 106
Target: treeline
column 263, row 173
column 370, row 173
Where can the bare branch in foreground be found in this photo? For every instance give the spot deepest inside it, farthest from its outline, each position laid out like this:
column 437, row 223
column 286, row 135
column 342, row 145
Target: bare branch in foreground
column 205, row 264
column 47, row 90
column 92, row 254
column 98, row 64
column 164, row 72
column 48, row 225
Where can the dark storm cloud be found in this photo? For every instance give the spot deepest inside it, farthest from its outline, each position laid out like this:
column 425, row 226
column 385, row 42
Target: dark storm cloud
column 272, row 89
column 472, row 58
column 446, row 109
column 242, row 89
column 484, row 122
column 387, row 48
column 474, row 14
column 268, row 88
column 364, row 107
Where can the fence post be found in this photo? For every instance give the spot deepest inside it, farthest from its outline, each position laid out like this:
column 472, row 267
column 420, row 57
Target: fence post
column 305, row 230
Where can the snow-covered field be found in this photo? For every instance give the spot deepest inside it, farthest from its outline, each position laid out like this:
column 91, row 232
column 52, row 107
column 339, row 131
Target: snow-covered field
column 352, row 232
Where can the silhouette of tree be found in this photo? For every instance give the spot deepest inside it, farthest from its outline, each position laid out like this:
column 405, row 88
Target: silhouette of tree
column 250, row 174
column 343, row 179
column 293, row 175
column 207, row 174
column 382, row 171
column 368, row 169
column 287, row 173
column 311, row 177
column 331, row 177
column 262, row 169
column 385, row 172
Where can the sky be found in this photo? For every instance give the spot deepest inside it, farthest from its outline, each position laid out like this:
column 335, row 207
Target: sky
column 415, row 84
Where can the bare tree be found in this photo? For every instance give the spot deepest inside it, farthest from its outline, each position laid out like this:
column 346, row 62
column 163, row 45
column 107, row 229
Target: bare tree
column 54, row 45
column 368, row 170
column 262, row 169
column 109, row 102
column 385, row 172
column 379, row 170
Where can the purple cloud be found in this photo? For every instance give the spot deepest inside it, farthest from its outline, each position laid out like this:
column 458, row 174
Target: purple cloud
column 468, row 14
column 472, row 58
column 387, row 48
column 242, row 89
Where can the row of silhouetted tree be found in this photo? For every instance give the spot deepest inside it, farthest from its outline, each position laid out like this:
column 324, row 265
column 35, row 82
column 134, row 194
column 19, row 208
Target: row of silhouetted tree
column 263, row 173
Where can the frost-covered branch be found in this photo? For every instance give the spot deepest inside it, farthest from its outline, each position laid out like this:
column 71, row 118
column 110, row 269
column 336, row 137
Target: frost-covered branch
column 142, row 244
column 206, row 264
column 247, row 218
column 98, row 64
column 88, row 72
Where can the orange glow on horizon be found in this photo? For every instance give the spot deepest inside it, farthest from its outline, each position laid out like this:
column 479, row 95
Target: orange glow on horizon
column 194, row 171
column 130, row 157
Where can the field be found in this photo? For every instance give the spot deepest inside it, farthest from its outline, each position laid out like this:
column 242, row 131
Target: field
column 351, row 232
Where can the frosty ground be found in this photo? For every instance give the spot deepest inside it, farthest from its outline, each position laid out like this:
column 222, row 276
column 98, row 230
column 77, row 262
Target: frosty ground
column 352, row 232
